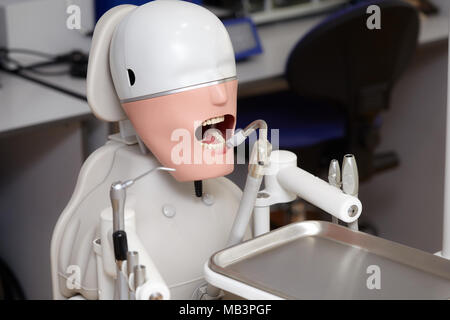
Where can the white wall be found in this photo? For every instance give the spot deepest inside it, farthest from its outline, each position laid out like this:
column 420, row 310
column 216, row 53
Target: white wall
column 406, row 204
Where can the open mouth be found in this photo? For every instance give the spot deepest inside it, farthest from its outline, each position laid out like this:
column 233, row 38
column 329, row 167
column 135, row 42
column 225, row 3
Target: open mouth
column 212, row 134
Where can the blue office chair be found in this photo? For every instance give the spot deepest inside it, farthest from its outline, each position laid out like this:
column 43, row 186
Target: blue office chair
column 349, row 66
column 341, row 75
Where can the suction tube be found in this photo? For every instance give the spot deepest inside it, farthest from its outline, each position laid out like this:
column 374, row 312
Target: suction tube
column 245, row 210
column 240, row 136
column 258, row 159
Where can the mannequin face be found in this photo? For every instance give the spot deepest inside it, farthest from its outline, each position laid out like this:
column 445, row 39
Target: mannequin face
column 187, row 130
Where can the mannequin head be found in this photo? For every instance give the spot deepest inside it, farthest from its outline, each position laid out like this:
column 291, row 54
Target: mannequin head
column 172, row 69
column 172, row 128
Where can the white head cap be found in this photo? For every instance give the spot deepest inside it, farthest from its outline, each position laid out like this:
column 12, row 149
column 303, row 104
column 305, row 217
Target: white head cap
column 156, row 48
column 169, row 44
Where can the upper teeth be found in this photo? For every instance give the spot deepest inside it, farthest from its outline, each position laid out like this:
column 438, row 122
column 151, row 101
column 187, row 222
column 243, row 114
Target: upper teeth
column 213, row 120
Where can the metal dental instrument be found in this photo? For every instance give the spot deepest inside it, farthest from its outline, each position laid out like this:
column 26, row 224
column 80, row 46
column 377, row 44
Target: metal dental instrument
column 334, row 178
column 117, row 196
column 132, row 262
column 139, row 276
column 350, row 181
column 128, row 183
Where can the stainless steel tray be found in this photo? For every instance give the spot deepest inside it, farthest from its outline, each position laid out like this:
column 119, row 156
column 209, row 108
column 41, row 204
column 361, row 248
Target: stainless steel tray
column 320, row 260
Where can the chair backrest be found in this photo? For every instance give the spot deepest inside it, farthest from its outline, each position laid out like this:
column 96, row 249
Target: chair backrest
column 344, row 62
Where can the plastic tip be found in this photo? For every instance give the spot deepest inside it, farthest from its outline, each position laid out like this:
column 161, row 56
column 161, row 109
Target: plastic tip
column 334, row 173
column 350, row 178
column 236, row 139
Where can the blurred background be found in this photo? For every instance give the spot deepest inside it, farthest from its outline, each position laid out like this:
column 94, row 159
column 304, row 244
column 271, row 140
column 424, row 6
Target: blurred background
column 313, row 69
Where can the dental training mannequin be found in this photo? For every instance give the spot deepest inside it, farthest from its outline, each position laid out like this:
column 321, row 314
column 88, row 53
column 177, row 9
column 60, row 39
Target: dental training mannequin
column 168, row 67
column 166, row 72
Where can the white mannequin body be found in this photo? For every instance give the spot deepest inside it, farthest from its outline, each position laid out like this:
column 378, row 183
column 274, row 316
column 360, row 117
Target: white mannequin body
column 179, row 246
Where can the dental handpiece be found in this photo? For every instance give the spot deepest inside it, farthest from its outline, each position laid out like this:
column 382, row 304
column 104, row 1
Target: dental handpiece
column 334, row 178
column 117, row 195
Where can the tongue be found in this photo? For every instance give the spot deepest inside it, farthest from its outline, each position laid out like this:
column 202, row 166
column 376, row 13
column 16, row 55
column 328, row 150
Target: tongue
column 213, row 136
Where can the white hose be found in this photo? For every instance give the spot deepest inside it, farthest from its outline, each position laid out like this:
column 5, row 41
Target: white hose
column 245, row 210
column 252, row 185
column 261, row 220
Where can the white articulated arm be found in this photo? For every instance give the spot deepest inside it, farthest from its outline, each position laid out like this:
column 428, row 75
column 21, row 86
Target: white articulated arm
column 321, row 194
column 284, row 181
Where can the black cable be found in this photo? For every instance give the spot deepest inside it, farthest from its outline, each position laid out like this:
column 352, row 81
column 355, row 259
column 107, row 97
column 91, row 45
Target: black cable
column 198, row 186
column 46, row 84
column 10, row 60
column 28, row 52
column 33, row 68
column 48, row 73
column 41, row 64
column 19, row 68
column 77, row 61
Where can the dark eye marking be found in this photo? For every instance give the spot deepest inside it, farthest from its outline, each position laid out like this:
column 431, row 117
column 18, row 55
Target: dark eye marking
column 131, row 77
